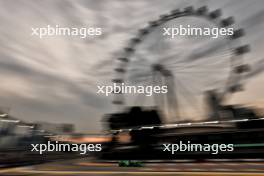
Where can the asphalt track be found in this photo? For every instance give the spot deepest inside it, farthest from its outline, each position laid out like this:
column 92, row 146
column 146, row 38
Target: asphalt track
column 86, row 167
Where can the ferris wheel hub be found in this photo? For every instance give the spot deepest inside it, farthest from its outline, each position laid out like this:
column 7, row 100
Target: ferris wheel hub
column 161, row 69
column 157, row 67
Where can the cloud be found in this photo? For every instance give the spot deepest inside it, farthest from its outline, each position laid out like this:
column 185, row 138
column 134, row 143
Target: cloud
column 55, row 79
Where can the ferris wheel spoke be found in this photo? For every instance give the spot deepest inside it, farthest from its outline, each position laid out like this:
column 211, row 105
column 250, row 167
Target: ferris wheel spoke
column 198, row 65
column 142, row 80
column 216, row 57
column 140, row 99
column 139, row 64
column 138, row 77
column 203, row 65
column 207, row 49
column 200, row 71
column 192, row 69
column 185, row 92
column 153, row 45
column 177, row 61
column 195, row 89
column 202, row 82
column 136, row 70
column 173, row 57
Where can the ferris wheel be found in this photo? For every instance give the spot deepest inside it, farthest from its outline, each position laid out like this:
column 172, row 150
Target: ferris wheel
column 189, row 65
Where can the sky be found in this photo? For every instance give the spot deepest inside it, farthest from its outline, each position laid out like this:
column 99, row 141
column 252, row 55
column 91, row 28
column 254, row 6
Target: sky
column 54, row 79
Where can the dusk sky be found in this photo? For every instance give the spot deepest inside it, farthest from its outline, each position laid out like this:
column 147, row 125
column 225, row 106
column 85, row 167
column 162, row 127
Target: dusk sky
column 54, row 79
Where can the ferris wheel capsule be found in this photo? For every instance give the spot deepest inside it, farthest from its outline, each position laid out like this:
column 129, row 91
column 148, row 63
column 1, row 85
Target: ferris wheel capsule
column 215, row 14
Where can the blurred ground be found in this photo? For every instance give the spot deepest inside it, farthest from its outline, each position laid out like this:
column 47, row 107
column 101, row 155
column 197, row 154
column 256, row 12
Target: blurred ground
column 86, row 167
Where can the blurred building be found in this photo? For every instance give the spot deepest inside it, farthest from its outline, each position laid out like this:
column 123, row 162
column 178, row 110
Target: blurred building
column 54, row 128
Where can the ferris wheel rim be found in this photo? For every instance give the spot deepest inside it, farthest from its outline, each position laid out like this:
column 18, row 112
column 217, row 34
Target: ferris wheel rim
column 213, row 16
